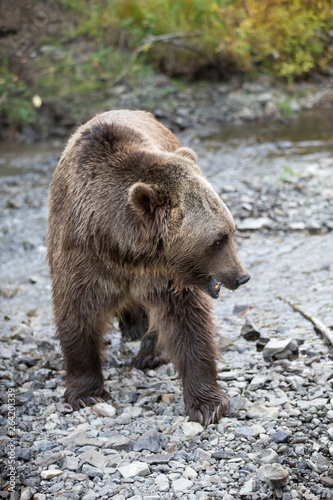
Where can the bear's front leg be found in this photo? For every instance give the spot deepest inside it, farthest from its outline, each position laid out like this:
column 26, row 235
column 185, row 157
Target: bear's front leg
column 187, row 332
column 81, row 319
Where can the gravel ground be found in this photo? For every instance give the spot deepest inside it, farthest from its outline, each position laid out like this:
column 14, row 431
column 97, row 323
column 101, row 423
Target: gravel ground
column 277, row 441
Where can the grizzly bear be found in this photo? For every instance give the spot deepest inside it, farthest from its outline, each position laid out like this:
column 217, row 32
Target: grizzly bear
column 136, row 232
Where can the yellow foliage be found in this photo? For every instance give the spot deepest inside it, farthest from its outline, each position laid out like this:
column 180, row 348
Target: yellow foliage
column 282, row 37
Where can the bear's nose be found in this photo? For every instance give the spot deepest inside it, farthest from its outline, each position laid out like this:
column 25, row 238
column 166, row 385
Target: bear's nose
column 243, row 279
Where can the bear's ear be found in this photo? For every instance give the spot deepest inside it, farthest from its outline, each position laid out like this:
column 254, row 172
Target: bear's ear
column 188, row 153
column 148, row 204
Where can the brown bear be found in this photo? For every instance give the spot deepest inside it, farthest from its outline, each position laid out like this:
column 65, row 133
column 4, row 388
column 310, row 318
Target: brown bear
column 136, row 232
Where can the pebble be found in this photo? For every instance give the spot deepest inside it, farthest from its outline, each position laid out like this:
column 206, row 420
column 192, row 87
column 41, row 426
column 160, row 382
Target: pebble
column 279, row 349
column 92, row 471
column 266, row 456
column 275, row 475
column 119, row 442
column 261, row 410
column 51, row 473
column 150, row 440
column 248, row 488
column 191, row 429
column 181, row 484
column 136, row 468
column 280, row 437
column 104, row 409
column 162, row 482
column 251, row 224
column 94, row 458
column 27, row 493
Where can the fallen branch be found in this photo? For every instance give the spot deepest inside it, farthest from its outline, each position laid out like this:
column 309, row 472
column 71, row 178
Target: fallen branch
column 171, row 38
column 323, row 329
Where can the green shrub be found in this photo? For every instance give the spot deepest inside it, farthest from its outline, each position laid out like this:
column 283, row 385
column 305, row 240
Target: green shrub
column 285, row 38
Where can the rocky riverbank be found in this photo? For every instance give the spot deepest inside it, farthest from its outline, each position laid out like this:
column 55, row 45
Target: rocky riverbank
column 277, row 441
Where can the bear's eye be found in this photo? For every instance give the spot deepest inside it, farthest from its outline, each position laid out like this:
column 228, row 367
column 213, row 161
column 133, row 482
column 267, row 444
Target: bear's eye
column 221, row 241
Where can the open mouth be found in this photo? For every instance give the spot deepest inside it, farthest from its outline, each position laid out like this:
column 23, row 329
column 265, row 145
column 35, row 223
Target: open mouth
column 214, row 287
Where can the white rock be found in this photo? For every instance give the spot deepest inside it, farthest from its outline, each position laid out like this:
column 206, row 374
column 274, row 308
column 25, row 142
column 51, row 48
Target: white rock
column 266, row 456
column 251, row 224
column 318, row 403
column 50, row 473
column 190, row 473
column 132, row 411
column 162, row 483
column 27, row 493
column 330, row 432
column 181, row 484
column 260, row 410
column 192, row 428
column 104, row 409
column 136, row 468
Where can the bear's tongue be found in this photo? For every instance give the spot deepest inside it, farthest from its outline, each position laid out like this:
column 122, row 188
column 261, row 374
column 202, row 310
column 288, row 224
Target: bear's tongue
column 213, row 288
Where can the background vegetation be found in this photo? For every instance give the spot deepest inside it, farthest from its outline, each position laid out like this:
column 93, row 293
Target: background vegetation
column 96, row 43
column 284, row 38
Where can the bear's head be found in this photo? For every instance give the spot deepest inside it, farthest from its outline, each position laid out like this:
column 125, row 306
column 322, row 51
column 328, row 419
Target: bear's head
column 193, row 225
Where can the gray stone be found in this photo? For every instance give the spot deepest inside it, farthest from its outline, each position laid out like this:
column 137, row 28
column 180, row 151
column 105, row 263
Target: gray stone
column 247, row 431
column 81, row 438
column 107, row 490
column 319, row 463
column 247, row 488
column 201, row 454
column 150, row 440
column 249, row 331
column 260, row 410
column 119, row 443
column 280, row 436
column 257, row 382
column 318, row 403
column 280, row 349
column 267, row 456
column 237, row 404
column 274, row 475
column 23, row 453
column 92, row 471
column 158, row 458
column 69, row 462
column 94, row 458
column 90, row 495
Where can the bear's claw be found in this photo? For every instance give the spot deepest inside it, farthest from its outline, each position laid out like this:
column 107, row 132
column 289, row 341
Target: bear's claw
column 208, row 413
column 81, row 401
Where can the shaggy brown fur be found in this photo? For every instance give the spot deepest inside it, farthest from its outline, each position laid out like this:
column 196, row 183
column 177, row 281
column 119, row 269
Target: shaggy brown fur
column 135, row 231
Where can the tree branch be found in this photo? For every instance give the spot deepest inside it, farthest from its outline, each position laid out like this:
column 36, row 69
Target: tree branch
column 323, row 329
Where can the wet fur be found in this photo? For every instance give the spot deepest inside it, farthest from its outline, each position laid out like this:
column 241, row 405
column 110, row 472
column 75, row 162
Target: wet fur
column 129, row 219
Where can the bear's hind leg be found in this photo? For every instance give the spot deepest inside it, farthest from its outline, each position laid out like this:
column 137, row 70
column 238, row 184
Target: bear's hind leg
column 151, row 354
column 133, row 323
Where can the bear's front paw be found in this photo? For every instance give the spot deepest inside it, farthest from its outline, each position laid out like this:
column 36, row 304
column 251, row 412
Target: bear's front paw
column 208, row 411
column 79, row 400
